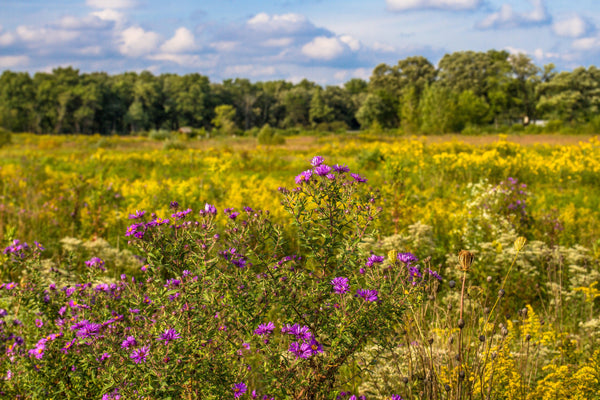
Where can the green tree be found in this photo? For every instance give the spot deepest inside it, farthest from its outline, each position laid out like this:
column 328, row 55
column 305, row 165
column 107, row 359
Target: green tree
column 438, row 110
column 224, row 119
column 319, row 112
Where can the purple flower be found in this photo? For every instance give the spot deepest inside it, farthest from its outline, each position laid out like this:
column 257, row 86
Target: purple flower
column 341, row 168
column 300, row 350
column 265, row 329
column 137, row 214
column 340, row 285
column 103, row 357
column 39, row 323
column 316, row 161
column 95, row 262
column 407, row 258
column 210, row 209
column 129, row 342
column 434, row 274
column 397, row 397
column 139, row 355
column 303, row 177
column 239, row 389
column 358, row 178
column 301, row 332
column 169, row 335
column 374, row 259
column 174, row 205
column 368, row 295
column 234, row 215
column 414, row 273
column 323, row 170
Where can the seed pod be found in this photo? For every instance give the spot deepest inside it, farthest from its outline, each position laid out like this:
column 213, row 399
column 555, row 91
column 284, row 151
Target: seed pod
column 430, row 341
column 461, row 375
column 431, row 297
column 494, row 355
column 504, row 331
column 461, row 323
column 451, row 284
column 488, row 279
column 528, row 337
column 482, row 338
column 465, row 258
column 486, row 310
column 524, row 312
column 405, row 380
column 451, row 340
column 447, row 387
column 501, row 293
column 449, row 306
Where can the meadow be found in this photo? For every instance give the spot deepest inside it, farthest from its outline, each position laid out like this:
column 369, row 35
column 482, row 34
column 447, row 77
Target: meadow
column 515, row 317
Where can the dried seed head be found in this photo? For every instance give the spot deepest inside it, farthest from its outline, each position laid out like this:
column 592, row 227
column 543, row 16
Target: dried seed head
column 520, row 243
column 427, row 259
column 461, row 323
column 451, row 284
column 465, row 258
column 486, row 310
column 405, row 380
column 449, row 306
column 431, row 297
column 461, row 375
column 504, row 331
column 482, row 338
column 451, row 340
column 501, row 293
column 488, row 279
column 494, row 355
column 528, row 337
column 447, row 387
column 524, row 312
column 430, row 341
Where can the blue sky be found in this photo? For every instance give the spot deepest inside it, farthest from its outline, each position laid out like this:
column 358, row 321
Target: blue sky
column 326, row 41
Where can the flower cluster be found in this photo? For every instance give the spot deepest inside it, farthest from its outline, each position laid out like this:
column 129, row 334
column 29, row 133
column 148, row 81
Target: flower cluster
column 305, row 345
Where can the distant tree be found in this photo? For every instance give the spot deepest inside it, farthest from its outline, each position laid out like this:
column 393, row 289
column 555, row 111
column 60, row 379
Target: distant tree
column 224, row 119
column 438, row 110
column 17, row 98
column 319, row 112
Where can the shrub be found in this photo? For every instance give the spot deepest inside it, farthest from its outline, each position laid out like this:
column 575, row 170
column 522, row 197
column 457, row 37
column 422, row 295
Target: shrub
column 5, row 137
column 266, row 136
column 160, row 134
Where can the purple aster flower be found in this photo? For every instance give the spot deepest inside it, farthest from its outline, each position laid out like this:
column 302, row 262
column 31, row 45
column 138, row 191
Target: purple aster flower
column 434, row 274
column 330, row 176
column 374, row 259
column 137, row 214
column 174, row 205
column 316, row 161
column 234, row 215
column 301, row 332
column 39, row 246
column 407, row 258
column 129, row 342
column 341, row 168
column 96, row 263
column 265, row 329
column 210, row 209
column 239, row 389
column 358, row 178
column 139, row 355
column 397, row 397
column 300, row 350
column 414, row 273
column 368, row 295
column 323, row 170
column 39, row 323
column 169, row 335
column 103, row 357
column 315, row 347
column 304, row 177
column 340, row 285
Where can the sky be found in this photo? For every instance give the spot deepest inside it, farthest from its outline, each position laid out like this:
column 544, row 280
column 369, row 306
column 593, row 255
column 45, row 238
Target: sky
column 325, row 41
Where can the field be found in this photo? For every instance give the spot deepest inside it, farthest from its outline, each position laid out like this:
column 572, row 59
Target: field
column 526, row 207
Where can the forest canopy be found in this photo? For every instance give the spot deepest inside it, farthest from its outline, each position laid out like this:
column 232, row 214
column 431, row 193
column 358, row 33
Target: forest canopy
column 467, row 90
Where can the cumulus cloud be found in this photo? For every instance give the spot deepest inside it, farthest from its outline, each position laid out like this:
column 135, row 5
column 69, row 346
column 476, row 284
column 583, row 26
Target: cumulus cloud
column 507, row 17
column 252, row 70
column 45, row 35
column 110, row 15
column 182, row 42
column 403, row 5
column 278, row 23
column 323, row 48
column 351, row 42
column 13, row 61
column 111, row 3
column 135, row 42
column 7, row 38
column 225, row 45
column 572, row 27
column 278, row 42
column 87, row 22
column 587, row 43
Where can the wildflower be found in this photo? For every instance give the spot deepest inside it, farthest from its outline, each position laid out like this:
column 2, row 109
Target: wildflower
column 265, row 329
column 174, row 205
column 407, row 258
column 368, row 295
column 434, row 274
column 239, row 389
column 358, row 178
column 301, row 332
column 374, row 259
column 340, row 169
column 323, row 170
column 169, row 335
column 39, row 323
column 317, row 161
column 137, row 214
column 396, row 397
column 95, row 262
column 340, row 285
column 103, row 357
column 303, row 177
column 139, row 355
column 129, row 342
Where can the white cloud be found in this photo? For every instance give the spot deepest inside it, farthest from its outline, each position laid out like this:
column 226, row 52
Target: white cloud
column 587, row 43
column 572, row 27
column 353, row 43
column 278, row 23
column 91, row 51
column 187, row 60
column 135, row 42
column 249, row 70
column 88, row 22
column 384, row 47
column 224, row 45
column 278, row 42
column 181, row 42
column 515, row 50
column 111, row 3
column 13, row 61
column 6, row 39
column 507, row 17
column 323, row 48
column 46, row 35
column 402, row 5
column 110, row 15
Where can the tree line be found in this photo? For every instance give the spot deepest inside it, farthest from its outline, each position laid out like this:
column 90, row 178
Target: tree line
column 467, row 89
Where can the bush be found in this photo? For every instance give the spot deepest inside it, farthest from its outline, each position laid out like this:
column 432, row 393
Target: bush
column 5, row 137
column 161, row 134
column 266, row 136
column 174, row 145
